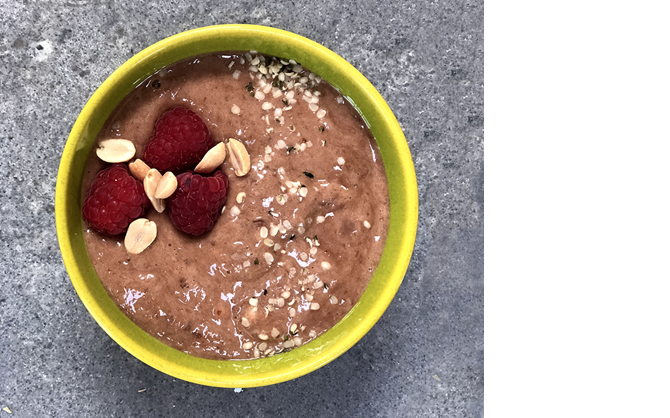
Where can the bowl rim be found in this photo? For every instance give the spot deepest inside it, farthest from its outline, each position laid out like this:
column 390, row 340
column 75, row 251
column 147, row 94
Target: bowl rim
column 285, row 366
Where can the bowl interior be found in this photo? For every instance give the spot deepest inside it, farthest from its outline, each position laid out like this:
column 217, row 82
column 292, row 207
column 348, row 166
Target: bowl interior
column 402, row 224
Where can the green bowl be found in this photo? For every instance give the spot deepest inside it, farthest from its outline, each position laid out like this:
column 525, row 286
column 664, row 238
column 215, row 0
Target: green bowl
column 402, row 189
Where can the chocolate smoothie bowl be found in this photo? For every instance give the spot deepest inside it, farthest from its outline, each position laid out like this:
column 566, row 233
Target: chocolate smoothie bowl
column 275, row 224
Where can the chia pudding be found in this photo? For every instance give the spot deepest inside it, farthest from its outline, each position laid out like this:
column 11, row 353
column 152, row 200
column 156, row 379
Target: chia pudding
column 300, row 234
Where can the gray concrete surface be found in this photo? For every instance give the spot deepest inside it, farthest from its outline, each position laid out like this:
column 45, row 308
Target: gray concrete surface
column 425, row 357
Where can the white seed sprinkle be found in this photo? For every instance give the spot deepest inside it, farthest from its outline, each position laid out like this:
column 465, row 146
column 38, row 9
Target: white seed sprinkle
column 235, row 211
column 313, row 251
column 223, row 209
column 325, row 265
column 245, row 322
column 274, row 333
column 314, row 306
column 277, row 247
column 268, row 242
column 286, row 294
column 340, row 99
column 320, row 219
column 288, row 344
column 262, row 346
column 253, row 68
column 304, row 256
column 246, row 263
column 367, row 224
column 263, row 336
column 280, row 302
column 269, row 258
column 333, row 300
column 268, row 149
column 264, row 232
column 340, row 160
column 240, row 197
column 267, row 88
column 278, row 113
column 297, row 341
column 301, row 229
column 257, row 353
column 303, row 191
column 253, row 302
column 267, row 106
column 259, row 95
column 309, row 297
column 313, row 107
column 277, row 93
column 247, row 345
column 320, row 114
column 235, row 109
column 281, row 199
column 237, row 74
column 287, row 224
column 280, row 145
column 291, row 312
column 312, row 334
column 273, row 229
column 255, row 61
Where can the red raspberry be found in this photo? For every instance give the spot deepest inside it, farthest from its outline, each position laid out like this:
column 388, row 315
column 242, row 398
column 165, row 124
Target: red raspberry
column 114, row 200
column 196, row 204
column 179, row 142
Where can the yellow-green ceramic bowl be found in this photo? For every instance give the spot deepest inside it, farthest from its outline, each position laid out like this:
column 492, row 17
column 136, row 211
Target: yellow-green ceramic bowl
column 402, row 188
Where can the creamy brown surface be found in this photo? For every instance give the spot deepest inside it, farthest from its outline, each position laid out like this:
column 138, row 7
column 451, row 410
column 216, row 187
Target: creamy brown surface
column 192, row 293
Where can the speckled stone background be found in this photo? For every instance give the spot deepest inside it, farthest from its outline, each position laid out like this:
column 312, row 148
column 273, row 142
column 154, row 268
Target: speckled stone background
column 425, row 357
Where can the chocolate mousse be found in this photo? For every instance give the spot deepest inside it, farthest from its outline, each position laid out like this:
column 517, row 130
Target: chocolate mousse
column 300, row 235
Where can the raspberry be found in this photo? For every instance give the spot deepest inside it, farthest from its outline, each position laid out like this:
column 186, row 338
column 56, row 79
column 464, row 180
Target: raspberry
column 179, row 142
column 196, row 204
column 114, row 200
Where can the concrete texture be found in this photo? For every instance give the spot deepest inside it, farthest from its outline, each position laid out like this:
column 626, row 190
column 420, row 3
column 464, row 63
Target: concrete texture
column 425, row 356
